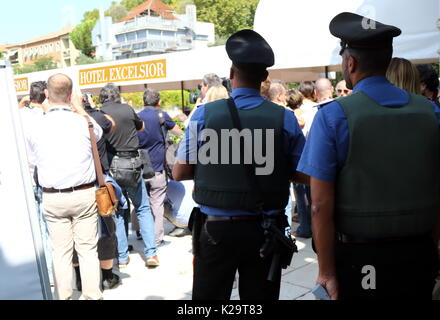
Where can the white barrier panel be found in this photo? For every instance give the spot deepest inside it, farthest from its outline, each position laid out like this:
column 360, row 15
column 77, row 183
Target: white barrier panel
column 23, row 271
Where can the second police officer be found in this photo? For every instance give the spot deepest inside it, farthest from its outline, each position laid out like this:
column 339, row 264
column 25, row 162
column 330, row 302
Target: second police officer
column 373, row 158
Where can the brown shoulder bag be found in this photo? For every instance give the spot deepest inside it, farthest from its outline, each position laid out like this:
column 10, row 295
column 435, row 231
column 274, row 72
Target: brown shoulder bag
column 105, row 195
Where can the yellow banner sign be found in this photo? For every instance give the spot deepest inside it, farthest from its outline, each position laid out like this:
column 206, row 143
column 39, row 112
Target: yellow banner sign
column 21, row 85
column 125, row 72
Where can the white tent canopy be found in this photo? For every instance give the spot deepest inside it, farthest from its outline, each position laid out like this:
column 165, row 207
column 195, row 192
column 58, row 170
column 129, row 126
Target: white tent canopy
column 298, row 31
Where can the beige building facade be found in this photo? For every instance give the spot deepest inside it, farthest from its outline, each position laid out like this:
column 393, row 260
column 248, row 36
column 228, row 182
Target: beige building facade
column 56, row 45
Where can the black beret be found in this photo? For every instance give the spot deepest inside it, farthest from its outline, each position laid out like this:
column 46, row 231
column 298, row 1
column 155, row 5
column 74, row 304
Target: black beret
column 247, row 47
column 360, row 32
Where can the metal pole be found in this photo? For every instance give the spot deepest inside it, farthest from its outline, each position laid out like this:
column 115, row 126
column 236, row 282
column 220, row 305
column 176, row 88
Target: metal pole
column 326, row 72
column 183, row 96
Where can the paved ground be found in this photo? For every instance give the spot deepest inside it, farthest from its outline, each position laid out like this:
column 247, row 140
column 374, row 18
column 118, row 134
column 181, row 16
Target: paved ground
column 173, row 279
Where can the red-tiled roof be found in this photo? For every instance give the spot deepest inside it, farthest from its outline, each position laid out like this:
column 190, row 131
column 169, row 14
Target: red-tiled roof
column 156, row 6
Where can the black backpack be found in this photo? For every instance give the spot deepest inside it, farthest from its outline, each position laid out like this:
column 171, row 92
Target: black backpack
column 170, row 147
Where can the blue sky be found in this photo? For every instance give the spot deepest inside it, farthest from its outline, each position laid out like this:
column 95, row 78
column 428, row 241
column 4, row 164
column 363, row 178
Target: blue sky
column 22, row 20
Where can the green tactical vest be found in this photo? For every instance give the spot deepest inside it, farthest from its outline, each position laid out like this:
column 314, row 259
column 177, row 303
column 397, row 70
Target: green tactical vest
column 389, row 185
column 227, row 186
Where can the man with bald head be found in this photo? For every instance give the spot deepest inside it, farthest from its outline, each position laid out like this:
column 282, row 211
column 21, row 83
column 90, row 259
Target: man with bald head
column 277, row 93
column 66, row 172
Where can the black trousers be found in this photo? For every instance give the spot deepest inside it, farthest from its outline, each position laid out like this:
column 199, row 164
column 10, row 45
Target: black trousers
column 226, row 247
column 401, row 270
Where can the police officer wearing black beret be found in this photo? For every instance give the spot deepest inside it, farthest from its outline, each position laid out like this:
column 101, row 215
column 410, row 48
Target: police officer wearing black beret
column 373, row 159
column 237, row 204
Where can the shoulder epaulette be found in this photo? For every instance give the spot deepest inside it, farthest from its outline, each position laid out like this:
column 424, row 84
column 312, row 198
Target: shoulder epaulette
column 323, row 104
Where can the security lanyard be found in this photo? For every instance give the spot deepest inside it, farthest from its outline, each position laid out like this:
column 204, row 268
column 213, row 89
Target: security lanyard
column 59, row 109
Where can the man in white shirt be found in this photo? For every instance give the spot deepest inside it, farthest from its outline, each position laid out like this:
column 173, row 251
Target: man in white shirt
column 323, row 94
column 66, row 171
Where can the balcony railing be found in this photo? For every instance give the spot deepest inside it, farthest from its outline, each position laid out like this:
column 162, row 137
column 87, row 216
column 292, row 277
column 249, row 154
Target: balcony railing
column 143, row 45
column 145, row 23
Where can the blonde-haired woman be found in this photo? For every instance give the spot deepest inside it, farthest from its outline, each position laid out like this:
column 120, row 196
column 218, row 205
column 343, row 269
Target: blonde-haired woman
column 216, row 93
column 404, row 74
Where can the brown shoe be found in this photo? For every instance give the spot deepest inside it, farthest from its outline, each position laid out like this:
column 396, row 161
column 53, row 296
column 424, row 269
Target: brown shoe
column 124, row 265
column 153, row 262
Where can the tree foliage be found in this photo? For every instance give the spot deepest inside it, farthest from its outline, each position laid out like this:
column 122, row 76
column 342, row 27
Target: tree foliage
column 83, row 60
column 169, row 99
column 116, row 11
column 173, row 98
column 42, row 64
column 130, row 4
column 81, row 37
column 229, row 16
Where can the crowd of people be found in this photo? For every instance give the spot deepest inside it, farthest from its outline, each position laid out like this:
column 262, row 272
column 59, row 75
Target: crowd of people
column 312, row 155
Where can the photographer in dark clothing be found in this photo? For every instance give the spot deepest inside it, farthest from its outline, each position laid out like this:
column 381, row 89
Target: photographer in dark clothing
column 126, row 168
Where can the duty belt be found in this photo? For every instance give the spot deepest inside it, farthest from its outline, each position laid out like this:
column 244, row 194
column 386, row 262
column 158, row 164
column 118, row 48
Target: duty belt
column 210, row 218
column 128, row 154
column 73, row 189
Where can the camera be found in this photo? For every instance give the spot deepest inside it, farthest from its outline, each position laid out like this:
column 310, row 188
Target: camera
column 193, row 97
column 86, row 103
column 226, row 82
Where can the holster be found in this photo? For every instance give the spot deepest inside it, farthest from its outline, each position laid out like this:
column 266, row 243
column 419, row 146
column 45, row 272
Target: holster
column 277, row 245
column 195, row 225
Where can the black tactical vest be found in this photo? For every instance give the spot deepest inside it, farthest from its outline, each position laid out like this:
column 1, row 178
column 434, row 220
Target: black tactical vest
column 225, row 184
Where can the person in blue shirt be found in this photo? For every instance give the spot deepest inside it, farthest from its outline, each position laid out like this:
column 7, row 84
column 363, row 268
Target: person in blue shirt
column 152, row 139
column 234, row 201
column 373, row 162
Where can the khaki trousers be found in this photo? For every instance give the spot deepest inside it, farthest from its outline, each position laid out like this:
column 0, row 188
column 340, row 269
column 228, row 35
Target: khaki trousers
column 157, row 192
column 72, row 220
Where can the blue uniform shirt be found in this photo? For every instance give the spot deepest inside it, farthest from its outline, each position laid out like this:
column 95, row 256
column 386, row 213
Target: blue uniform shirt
column 327, row 146
column 245, row 99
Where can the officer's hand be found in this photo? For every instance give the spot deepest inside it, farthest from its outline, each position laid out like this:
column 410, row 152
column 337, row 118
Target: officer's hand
column 331, row 285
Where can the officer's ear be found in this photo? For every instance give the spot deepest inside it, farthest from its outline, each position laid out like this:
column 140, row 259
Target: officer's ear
column 264, row 76
column 232, row 74
column 352, row 64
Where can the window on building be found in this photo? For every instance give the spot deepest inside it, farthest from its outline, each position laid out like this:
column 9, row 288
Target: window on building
column 168, row 35
column 202, row 37
column 51, row 48
column 46, row 49
column 131, row 36
column 120, row 38
column 154, row 34
column 142, row 34
column 58, row 47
